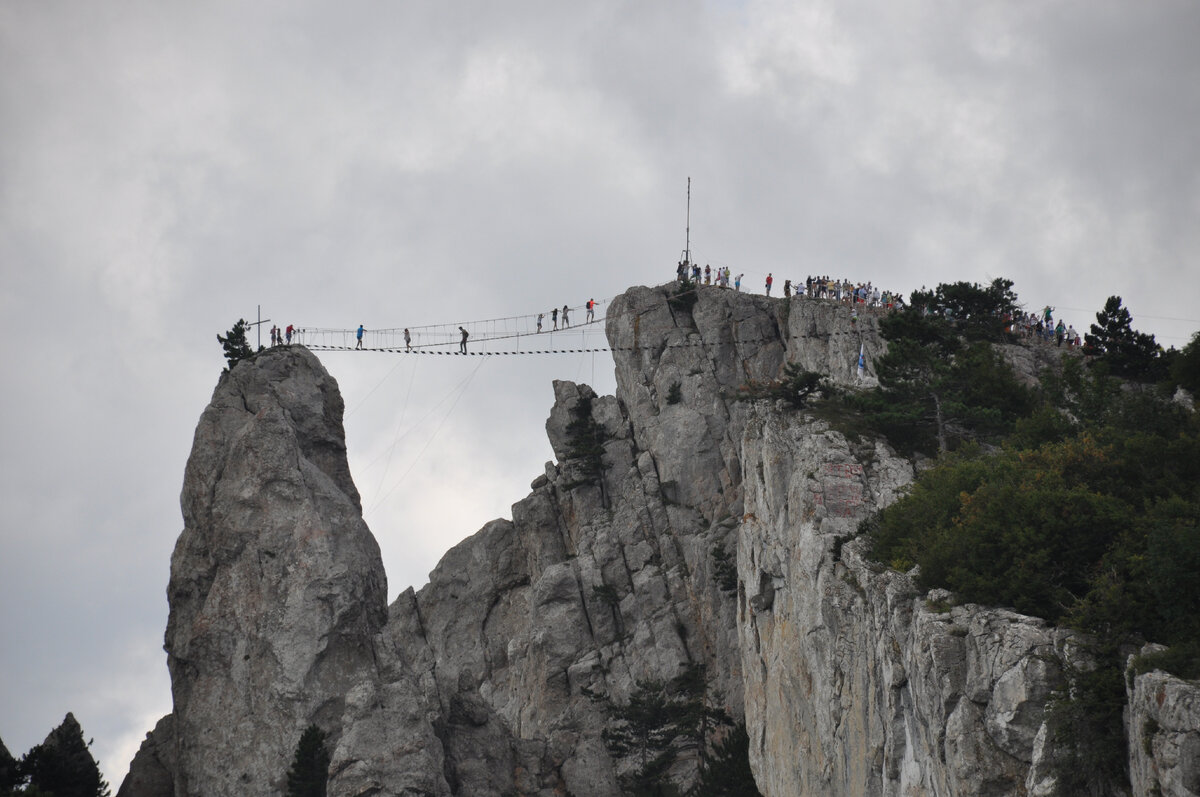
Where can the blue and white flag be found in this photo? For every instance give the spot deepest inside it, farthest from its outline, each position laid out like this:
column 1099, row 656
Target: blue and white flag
column 862, row 363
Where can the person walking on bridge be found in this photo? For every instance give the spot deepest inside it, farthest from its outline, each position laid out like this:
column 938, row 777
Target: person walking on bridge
column 591, row 310
column 407, row 340
column 566, row 322
column 358, row 335
column 462, row 345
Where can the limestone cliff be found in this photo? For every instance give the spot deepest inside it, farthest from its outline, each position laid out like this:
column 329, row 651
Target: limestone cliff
column 479, row 683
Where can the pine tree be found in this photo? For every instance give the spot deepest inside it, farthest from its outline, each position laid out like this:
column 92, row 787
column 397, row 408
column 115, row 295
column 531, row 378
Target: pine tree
column 235, row 345
column 9, row 774
column 1128, row 353
column 310, row 768
column 726, row 771
column 1185, row 369
column 62, row 765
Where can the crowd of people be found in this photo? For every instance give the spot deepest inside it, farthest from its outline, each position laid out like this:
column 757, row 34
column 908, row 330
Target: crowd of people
column 855, row 294
column 1032, row 325
column 1042, row 326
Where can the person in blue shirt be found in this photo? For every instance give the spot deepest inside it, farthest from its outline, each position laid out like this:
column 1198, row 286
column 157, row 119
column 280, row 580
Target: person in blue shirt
column 359, row 336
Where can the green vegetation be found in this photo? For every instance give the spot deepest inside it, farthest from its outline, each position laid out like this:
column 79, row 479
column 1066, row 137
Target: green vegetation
column 684, row 297
column 1078, row 503
column 797, row 387
column 1087, row 732
column 726, row 771
column 235, row 344
column 663, row 719
column 1128, row 353
column 675, row 393
column 9, row 773
column 1093, row 521
column 310, row 766
column 724, row 568
column 974, row 311
column 585, row 445
column 61, row 766
column 1185, row 366
column 941, row 383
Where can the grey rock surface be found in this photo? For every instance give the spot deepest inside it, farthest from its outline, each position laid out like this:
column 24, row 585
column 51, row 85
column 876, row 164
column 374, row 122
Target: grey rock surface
column 493, row 677
column 1162, row 724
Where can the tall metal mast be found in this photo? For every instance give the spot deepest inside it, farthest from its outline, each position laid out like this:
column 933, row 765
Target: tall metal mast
column 687, row 244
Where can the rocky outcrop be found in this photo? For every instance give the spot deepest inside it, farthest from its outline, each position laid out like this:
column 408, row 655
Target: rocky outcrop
column 1162, row 724
column 864, row 685
column 277, row 589
column 494, row 677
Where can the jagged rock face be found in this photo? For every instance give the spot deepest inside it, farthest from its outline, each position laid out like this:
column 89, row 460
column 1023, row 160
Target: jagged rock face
column 277, row 588
column 864, row 685
column 493, row 678
column 1162, row 724
column 151, row 773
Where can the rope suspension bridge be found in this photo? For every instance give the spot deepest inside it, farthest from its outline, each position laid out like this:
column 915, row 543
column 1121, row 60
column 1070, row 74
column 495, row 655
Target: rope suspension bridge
column 512, row 333
column 540, row 330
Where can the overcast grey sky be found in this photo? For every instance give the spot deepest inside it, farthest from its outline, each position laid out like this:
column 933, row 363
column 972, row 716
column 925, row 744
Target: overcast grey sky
column 168, row 167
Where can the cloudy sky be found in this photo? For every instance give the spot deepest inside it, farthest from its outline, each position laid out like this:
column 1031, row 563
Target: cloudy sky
column 166, row 168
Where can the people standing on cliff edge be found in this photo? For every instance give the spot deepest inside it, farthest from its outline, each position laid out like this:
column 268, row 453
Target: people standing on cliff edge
column 462, row 344
column 358, row 335
column 769, row 281
column 289, row 334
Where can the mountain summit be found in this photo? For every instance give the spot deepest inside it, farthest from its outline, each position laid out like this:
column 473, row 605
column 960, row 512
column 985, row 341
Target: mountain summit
column 681, row 531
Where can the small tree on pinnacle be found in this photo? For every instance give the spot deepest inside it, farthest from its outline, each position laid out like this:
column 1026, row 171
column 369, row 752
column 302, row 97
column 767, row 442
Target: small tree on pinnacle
column 235, row 345
column 310, row 768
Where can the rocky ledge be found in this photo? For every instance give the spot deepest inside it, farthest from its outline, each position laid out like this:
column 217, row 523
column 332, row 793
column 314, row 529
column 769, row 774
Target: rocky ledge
column 493, row 678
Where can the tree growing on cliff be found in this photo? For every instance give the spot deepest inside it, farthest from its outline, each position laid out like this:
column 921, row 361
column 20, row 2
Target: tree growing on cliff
column 936, row 389
column 235, row 344
column 9, row 774
column 725, row 772
column 1185, row 368
column 663, row 719
column 975, row 311
column 310, row 766
column 1128, row 353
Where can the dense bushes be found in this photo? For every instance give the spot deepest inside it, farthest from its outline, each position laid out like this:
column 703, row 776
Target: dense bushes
column 1086, row 514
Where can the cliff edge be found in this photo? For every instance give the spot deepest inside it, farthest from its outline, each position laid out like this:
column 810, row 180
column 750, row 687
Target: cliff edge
column 495, row 676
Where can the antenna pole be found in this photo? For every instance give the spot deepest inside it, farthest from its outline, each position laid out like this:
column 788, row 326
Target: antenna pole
column 687, row 242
